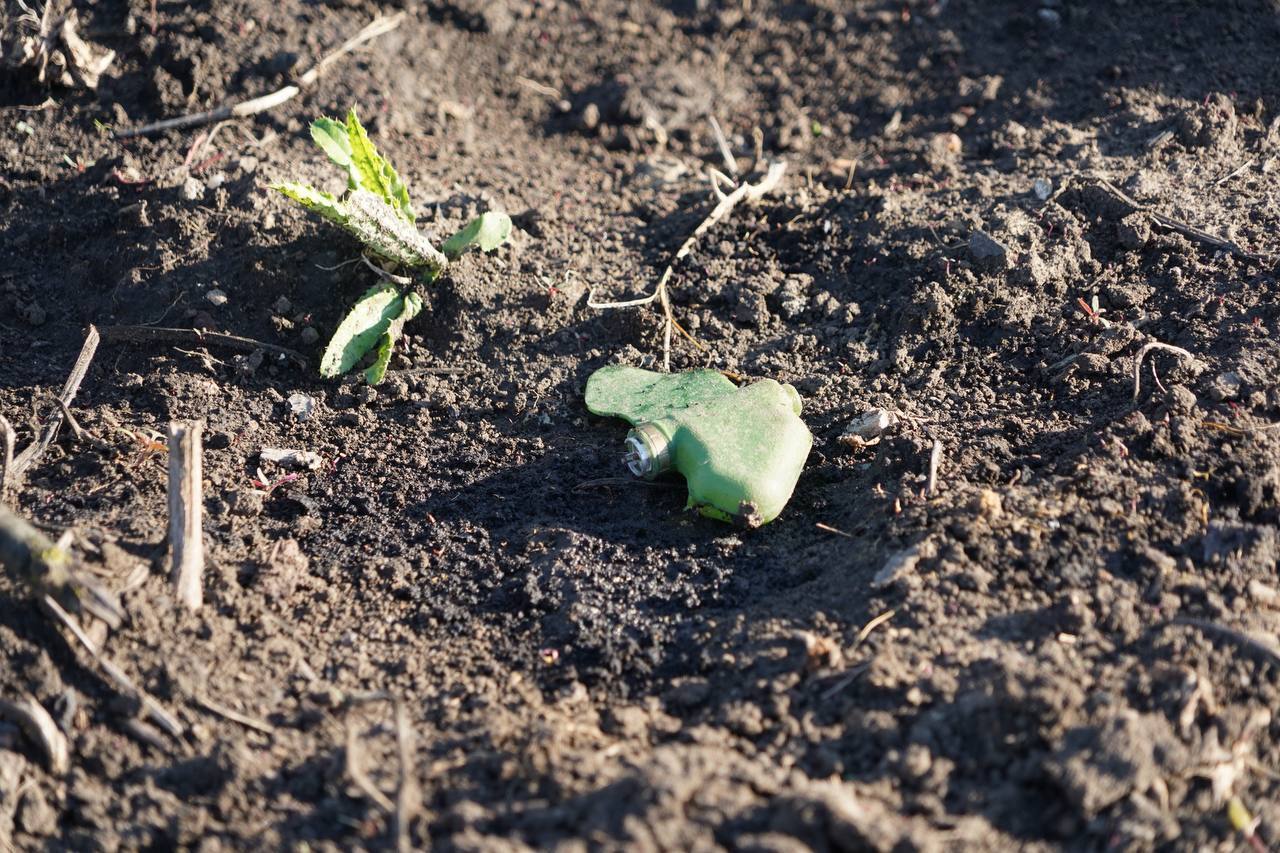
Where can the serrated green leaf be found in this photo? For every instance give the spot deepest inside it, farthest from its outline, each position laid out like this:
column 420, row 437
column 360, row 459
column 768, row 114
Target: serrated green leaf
column 487, row 231
column 372, row 172
column 332, row 138
column 376, row 371
column 360, row 330
column 314, row 200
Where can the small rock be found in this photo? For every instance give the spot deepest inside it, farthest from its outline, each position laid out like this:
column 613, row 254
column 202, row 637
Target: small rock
column 288, row 458
column 590, row 118
column 302, row 406
column 268, row 221
column 216, row 297
column 1181, row 399
column 902, row 564
column 1225, row 387
column 1042, row 188
column 988, row 252
column 216, row 180
column 249, row 165
column 1133, row 231
column 867, row 428
column 309, row 335
column 282, row 306
column 1050, row 17
column 192, row 189
column 247, row 503
column 988, row 505
column 944, row 145
column 1264, row 594
column 628, row 721
column 35, row 815
column 1094, row 363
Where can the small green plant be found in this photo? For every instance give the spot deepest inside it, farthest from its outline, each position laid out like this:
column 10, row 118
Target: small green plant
column 376, row 209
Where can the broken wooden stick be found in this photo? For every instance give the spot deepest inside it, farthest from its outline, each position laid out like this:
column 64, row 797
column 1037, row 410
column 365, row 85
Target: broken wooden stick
column 113, row 673
column 197, row 337
column 377, row 27
column 30, row 716
column 1168, row 223
column 44, row 568
column 745, row 192
column 1142, row 353
column 406, row 790
column 70, row 388
column 355, row 771
column 186, row 505
column 935, row 460
column 7, row 460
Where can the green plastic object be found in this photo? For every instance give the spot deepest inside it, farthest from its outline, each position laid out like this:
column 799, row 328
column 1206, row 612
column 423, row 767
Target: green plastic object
column 740, row 450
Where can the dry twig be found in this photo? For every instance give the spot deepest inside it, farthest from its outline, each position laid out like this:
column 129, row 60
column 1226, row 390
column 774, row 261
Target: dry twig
column 1169, row 223
column 935, row 459
column 124, row 683
column 747, row 192
column 378, row 27
column 7, row 459
column 186, row 503
column 355, row 771
column 32, row 454
column 406, row 790
column 195, row 337
column 34, row 720
column 1142, row 353
column 235, row 716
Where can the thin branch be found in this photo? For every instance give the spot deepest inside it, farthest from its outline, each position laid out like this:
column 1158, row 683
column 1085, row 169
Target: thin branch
column 725, row 154
column 195, row 337
column 402, row 280
column 745, row 192
column 235, row 716
column 1189, row 231
column 407, row 787
column 35, row 721
column 124, row 683
column 7, row 459
column 70, row 388
column 186, row 503
column 355, row 770
column 1142, row 353
column 378, row 27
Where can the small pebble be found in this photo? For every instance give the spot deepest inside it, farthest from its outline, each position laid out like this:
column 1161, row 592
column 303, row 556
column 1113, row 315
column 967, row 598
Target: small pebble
column 868, row 427
column 309, row 335
column 1043, row 188
column 988, row 505
column 192, row 190
column 216, row 297
column 302, row 406
column 216, row 180
column 282, row 306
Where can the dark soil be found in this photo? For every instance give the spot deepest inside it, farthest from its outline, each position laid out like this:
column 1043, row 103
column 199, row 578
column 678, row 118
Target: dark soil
column 1070, row 644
